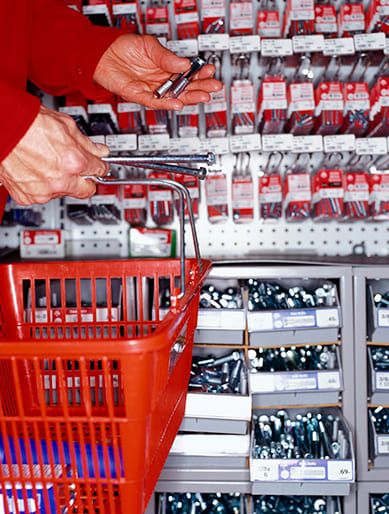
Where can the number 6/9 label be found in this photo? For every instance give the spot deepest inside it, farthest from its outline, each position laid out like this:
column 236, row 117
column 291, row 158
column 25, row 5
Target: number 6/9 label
column 341, row 471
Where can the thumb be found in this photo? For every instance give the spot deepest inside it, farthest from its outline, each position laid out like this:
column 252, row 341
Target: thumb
column 167, row 60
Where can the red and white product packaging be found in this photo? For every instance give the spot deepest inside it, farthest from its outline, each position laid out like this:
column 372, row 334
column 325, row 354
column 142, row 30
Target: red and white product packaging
column 241, row 18
column 152, row 242
column 74, row 4
column 326, row 20
column 188, row 121
column 217, row 197
column 356, row 195
column 299, row 18
column 38, row 244
column 270, row 196
column 298, row 196
column 377, row 16
column 301, row 108
column 356, row 108
column 272, row 105
column 161, row 201
column 106, row 194
column 242, row 107
column 379, row 112
column 268, row 24
column 187, row 19
column 328, row 194
column 329, row 108
column 135, row 204
column 351, row 19
column 193, row 186
column 76, row 106
column 213, row 16
column 129, row 118
column 128, row 16
column 157, row 21
column 379, row 196
column 157, row 121
column 216, row 114
column 242, row 197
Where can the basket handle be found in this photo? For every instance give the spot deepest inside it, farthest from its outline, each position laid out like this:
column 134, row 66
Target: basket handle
column 183, row 195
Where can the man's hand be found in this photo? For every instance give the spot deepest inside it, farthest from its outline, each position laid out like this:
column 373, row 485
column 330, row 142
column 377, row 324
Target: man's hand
column 50, row 161
column 134, row 66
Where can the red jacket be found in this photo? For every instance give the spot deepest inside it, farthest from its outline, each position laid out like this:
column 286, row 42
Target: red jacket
column 51, row 45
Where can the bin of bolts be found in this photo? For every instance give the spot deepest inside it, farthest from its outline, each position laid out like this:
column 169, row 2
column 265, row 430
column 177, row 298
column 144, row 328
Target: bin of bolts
column 222, row 317
column 378, row 313
column 379, row 503
column 294, row 369
column 379, row 437
column 202, row 503
column 280, row 306
column 378, row 359
column 300, row 446
column 297, row 504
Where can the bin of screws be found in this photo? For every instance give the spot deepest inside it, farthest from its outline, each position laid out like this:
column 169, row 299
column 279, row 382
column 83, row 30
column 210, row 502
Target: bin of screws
column 301, row 445
column 218, row 400
column 379, row 503
column 222, row 316
column 297, row 504
column 202, row 503
column 378, row 311
column 297, row 312
column 378, row 371
column 295, row 375
column 379, row 436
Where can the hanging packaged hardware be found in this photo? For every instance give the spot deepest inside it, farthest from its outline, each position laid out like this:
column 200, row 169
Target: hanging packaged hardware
column 241, row 17
column 268, row 20
column 130, row 118
column 379, row 196
column 379, row 112
column 187, row 19
column 216, row 109
column 326, row 20
column 328, row 194
column 135, row 201
column 188, row 121
column 160, row 201
column 299, row 18
column 157, row 121
column 298, row 195
column 356, row 108
column 351, row 19
column 217, row 197
column 213, row 16
column 377, row 19
column 301, row 108
column 193, row 186
column 242, row 97
column 157, row 20
column 270, row 188
column 329, row 108
column 272, row 105
column 356, row 190
column 128, row 17
column 242, row 190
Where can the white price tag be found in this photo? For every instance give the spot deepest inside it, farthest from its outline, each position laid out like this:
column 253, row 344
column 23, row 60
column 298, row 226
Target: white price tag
column 276, row 47
column 209, row 319
column 302, row 44
column 98, row 139
column 184, row 47
column 121, row 142
column 262, row 382
column 152, row 143
column 374, row 41
column 340, row 46
column 211, row 42
column 89, row 10
column 245, row 143
column 386, row 50
column 383, row 317
column 184, row 145
column 307, row 144
column 340, row 470
column 242, row 44
column 118, row 9
column 328, row 380
column 371, row 146
column 383, row 444
column 260, row 321
column 76, row 110
column 128, row 107
column 382, row 380
column 264, row 470
column 327, row 318
column 341, row 143
column 218, row 145
column 277, row 142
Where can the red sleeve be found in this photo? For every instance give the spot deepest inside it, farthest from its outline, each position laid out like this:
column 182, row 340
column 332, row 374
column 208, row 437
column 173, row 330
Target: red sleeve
column 65, row 49
column 18, row 110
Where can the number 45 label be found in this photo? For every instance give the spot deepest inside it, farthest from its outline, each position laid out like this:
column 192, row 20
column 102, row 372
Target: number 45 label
column 341, row 471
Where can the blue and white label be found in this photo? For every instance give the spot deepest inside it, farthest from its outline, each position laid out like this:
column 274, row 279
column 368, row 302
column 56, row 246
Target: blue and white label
column 291, row 382
column 293, row 319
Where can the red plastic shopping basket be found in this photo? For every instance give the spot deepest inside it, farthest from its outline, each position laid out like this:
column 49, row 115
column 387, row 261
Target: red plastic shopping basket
column 93, row 381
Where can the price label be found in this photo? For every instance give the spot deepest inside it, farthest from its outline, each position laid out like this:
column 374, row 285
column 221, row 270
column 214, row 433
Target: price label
column 340, row 470
column 119, row 9
column 328, row 380
column 341, row 143
column 371, row 146
column 307, row 144
column 185, row 145
column 296, row 382
column 383, row 317
column 121, row 142
column 243, row 44
column 374, row 41
column 383, row 444
column 277, row 142
column 212, row 42
column 340, row 46
column 304, row 473
column 98, row 139
column 264, row 470
column 327, row 318
column 260, row 321
column 184, row 47
column 76, row 110
column 209, row 319
column 382, row 380
column 276, row 47
column 218, row 145
column 386, row 49
column 302, row 44
column 299, row 321
column 153, row 142
column 245, row 143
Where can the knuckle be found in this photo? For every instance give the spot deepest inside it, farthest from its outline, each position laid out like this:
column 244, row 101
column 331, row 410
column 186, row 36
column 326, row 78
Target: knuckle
column 73, row 161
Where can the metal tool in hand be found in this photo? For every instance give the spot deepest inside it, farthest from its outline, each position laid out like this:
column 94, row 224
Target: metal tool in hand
column 177, row 83
column 166, row 163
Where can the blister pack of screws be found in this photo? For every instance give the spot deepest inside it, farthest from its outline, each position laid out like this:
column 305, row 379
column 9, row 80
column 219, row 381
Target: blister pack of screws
column 202, row 503
column 297, row 504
